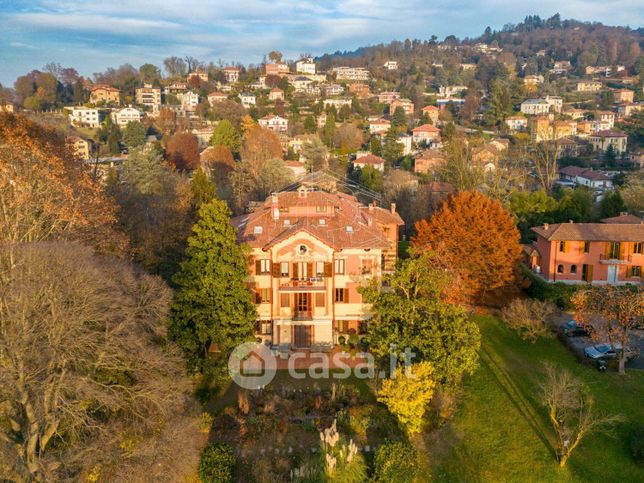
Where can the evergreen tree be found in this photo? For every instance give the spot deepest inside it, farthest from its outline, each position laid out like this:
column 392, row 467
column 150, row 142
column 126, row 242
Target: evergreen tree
column 144, row 170
column 399, row 119
column 611, row 205
column 213, row 304
column 392, row 150
column 328, row 131
column 309, row 125
column 134, row 134
column 203, row 190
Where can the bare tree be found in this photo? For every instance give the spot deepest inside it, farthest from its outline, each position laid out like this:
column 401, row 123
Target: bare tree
column 85, row 378
column 546, row 146
column 529, row 317
column 571, row 411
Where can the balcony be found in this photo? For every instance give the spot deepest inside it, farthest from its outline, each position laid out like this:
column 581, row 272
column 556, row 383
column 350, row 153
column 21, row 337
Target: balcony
column 299, row 315
column 619, row 260
column 307, row 284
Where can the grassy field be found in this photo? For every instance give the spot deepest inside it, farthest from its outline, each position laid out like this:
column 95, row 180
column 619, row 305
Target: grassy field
column 501, row 433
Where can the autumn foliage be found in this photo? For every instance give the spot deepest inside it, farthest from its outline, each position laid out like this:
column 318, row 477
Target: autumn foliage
column 478, row 239
column 259, row 146
column 183, row 151
column 47, row 193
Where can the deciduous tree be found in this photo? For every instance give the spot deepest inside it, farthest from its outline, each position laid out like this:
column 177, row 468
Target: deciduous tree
column 183, row 151
column 259, row 146
column 225, row 134
column 478, row 238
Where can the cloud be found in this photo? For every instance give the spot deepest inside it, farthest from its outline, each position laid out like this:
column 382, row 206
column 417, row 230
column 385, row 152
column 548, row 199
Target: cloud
column 119, row 31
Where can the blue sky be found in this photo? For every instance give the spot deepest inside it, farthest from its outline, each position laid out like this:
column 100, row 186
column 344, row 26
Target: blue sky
column 91, row 35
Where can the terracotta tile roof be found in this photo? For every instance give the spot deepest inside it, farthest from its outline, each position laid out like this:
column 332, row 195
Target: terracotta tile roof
column 426, row 128
column 591, row 232
column 371, row 159
column 610, row 134
column 623, row 219
column 347, row 223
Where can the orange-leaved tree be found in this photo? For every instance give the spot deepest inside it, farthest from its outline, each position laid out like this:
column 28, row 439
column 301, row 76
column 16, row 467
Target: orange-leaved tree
column 478, row 239
column 47, row 193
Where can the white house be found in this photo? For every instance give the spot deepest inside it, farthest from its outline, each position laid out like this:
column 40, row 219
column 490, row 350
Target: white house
column 379, row 126
column 126, row 115
column 247, row 99
column 84, row 116
column 305, row 66
column 351, row 73
column 516, row 123
column 333, row 89
column 338, row 103
column 274, row 123
column 189, row 100
column 391, row 65
column 369, row 159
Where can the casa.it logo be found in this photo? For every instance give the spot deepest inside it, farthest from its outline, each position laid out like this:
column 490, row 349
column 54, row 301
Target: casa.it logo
column 252, row 365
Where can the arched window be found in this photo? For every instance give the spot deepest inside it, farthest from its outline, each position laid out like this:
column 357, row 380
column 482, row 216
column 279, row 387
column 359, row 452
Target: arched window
column 560, row 268
column 573, row 269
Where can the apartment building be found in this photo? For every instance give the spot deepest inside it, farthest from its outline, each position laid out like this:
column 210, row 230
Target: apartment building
column 589, row 86
column 310, row 251
column 231, row 74
column 351, row 73
column 148, row 96
column 305, row 66
column 590, row 253
column 123, row 117
column 603, row 139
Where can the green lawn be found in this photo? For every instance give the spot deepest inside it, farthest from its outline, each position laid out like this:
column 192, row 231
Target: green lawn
column 500, row 432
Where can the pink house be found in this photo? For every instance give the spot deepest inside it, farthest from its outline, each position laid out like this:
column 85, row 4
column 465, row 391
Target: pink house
column 310, row 252
column 589, row 252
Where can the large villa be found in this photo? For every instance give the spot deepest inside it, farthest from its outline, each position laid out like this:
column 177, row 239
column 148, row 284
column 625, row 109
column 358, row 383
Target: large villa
column 311, row 250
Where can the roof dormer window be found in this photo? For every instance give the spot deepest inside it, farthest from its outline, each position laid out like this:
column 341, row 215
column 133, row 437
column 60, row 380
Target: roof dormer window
column 349, row 229
column 287, row 222
column 321, row 221
column 258, row 230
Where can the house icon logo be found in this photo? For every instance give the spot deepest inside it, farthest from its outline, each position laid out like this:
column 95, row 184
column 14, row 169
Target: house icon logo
column 252, row 365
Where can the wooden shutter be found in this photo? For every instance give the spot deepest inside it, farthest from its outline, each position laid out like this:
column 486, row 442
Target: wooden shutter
column 328, row 269
column 276, row 270
column 607, row 251
column 566, row 246
column 309, row 270
column 294, row 271
column 258, row 267
column 590, row 273
column 622, row 251
column 629, row 272
column 312, row 334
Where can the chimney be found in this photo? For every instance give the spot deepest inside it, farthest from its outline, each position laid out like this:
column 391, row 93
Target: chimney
column 369, row 221
column 372, row 205
column 623, row 213
column 393, row 207
column 546, row 226
column 275, row 209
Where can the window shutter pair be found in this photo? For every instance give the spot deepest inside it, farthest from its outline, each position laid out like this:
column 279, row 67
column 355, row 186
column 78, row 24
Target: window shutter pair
column 328, row 269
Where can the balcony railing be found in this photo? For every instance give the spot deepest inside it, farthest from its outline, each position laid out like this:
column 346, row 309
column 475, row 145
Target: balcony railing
column 619, row 260
column 307, row 283
column 303, row 315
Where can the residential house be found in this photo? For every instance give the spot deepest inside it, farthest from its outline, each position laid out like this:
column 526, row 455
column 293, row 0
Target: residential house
column 585, row 177
column 561, row 67
column 202, row 75
column 85, row 117
column 189, row 100
column 82, row 148
column 627, row 110
column 406, row 104
column 379, row 126
column 305, row 66
column 310, row 252
column 247, row 99
column 606, row 70
column 391, row 65
column 216, row 97
column 537, row 107
column 231, row 74
column 428, row 161
column 432, row 112
column 176, row 88
column 123, row 117
column 597, row 253
column 604, row 120
column 570, row 147
column 623, row 219
column 516, row 123
column 351, row 73
column 589, row 86
column 278, row 69
column 426, row 134
column 360, row 90
column 149, row 96
column 533, row 80
column 332, row 89
column 105, row 94
column 301, row 83
column 274, row 123
column 388, row 97
column 369, row 159
column 574, row 113
column 449, row 91
column 276, row 94
column 624, row 96
column 603, row 139
column 338, row 103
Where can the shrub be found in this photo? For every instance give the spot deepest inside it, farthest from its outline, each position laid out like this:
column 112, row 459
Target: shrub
column 205, row 422
column 558, row 293
column 342, row 340
column 637, row 444
column 529, row 317
column 395, row 462
column 353, row 340
column 217, row 463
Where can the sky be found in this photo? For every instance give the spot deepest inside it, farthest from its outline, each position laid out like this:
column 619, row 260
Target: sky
column 92, row 35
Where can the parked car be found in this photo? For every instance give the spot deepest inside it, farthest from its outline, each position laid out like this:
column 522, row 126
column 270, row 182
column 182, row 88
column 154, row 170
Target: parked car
column 573, row 329
column 605, row 351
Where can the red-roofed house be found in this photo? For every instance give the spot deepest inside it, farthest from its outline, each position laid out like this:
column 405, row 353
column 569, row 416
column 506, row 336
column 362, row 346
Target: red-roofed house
column 310, row 252
column 274, row 123
column 426, row 134
column 372, row 160
column 432, row 112
column 379, row 126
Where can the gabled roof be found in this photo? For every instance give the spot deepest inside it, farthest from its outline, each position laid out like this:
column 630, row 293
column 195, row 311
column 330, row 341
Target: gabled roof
column 623, row 219
column 371, row 159
column 591, row 232
column 426, row 128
